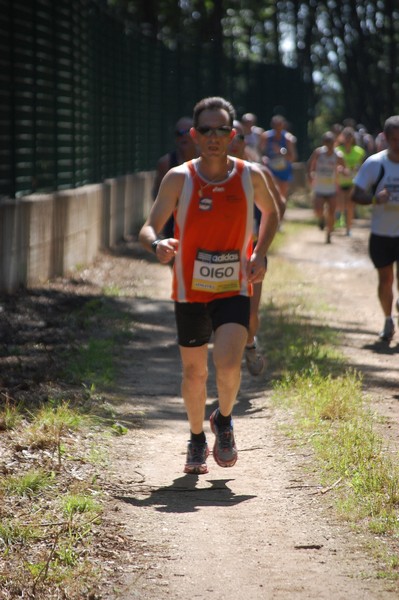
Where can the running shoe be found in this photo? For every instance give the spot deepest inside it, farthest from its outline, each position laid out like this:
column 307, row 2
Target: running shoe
column 322, row 223
column 196, row 458
column 328, row 238
column 225, row 449
column 389, row 329
column 255, row 362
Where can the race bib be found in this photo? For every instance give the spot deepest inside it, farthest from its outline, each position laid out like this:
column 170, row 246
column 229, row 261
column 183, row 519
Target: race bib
column 393, row 201
column 325, row 179
column 278, row 163
column 216, row 272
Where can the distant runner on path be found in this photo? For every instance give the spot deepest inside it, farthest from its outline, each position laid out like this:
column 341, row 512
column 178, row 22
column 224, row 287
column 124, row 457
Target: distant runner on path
column 323, row 168
column 278, row 149
column 377, row 183
column 255, row 361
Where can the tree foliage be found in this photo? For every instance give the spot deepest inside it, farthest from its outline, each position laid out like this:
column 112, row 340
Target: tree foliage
column 347, row 49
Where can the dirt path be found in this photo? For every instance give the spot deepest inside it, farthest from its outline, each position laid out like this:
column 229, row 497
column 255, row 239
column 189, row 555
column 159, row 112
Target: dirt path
column 260, row 530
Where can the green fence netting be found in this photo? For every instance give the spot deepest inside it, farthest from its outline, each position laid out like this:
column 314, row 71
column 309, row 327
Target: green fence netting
column 84, row 98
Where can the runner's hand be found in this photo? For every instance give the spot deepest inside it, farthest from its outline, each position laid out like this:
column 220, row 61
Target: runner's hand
column 382, row 197
column 256, row 268
column 166, row 250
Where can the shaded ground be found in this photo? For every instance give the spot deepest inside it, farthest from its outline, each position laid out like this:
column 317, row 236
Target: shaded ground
column 262, row 530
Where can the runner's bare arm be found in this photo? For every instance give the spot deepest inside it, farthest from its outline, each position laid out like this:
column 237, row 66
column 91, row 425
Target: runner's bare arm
column 361, row 196
column 279, row 200
column 291, row 148
column 161, row 210
column 268, row 225
column 162, row 168
column 341, row 163
column 312, row 165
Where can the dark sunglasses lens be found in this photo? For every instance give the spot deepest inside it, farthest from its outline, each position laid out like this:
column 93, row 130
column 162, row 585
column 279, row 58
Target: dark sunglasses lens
column 240, row 137
column 222, row 131
column 218, row 131
column 204, row 130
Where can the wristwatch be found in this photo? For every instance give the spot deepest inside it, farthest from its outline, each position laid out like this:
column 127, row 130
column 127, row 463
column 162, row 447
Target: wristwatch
column 154, row 245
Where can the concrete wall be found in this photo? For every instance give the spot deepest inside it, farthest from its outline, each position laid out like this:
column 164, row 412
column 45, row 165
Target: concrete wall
column 49, row 235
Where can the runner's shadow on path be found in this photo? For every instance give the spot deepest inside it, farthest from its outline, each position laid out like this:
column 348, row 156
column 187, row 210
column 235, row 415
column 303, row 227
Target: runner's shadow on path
column 381, row 347
column 183, row 496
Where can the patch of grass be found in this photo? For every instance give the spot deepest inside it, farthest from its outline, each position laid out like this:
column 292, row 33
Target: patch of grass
column 98, row 455
column 67, row 555
column 330, row 411
column 112, row 291
column 60, row 509
column 54, row 416
column 322, row 397
column 48, row 426
column 293, row 335
column 119, row 429
column 79, row 503
column 10, row 415
column 12, row 532
column 93, row 362
column 28, row 484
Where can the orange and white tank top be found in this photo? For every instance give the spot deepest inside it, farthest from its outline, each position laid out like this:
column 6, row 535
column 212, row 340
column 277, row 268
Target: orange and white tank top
column 213, row 223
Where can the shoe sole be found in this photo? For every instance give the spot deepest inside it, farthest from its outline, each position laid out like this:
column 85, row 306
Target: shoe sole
column 385, row 338
column 218, row 460
column 201, row 469
column 255, row 373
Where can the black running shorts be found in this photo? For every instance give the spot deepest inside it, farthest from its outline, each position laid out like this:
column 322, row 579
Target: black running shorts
column 383, row 250
column 196, row 320
column 324, row 197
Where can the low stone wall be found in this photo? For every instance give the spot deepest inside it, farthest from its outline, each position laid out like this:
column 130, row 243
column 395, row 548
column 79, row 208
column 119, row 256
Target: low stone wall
column 49, row 235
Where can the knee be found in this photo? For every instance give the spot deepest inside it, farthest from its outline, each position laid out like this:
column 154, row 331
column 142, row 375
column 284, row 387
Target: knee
column 226, row 366
column 386, row 280
column 195, row 374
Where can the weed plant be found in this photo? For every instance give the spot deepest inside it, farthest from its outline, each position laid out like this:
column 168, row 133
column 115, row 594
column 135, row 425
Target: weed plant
column 27, row 484
column 10, row 416
column 46, row 518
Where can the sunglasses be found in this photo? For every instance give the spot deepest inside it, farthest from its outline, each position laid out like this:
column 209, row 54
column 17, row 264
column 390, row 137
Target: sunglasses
column 181, row 132
column 239, row 136
column 222, row 131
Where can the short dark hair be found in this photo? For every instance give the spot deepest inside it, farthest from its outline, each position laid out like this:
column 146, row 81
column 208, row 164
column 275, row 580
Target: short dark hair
column 348, row 131
column 278, row 119
column 328, row 136
column 390, row 124
column 213, row 103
